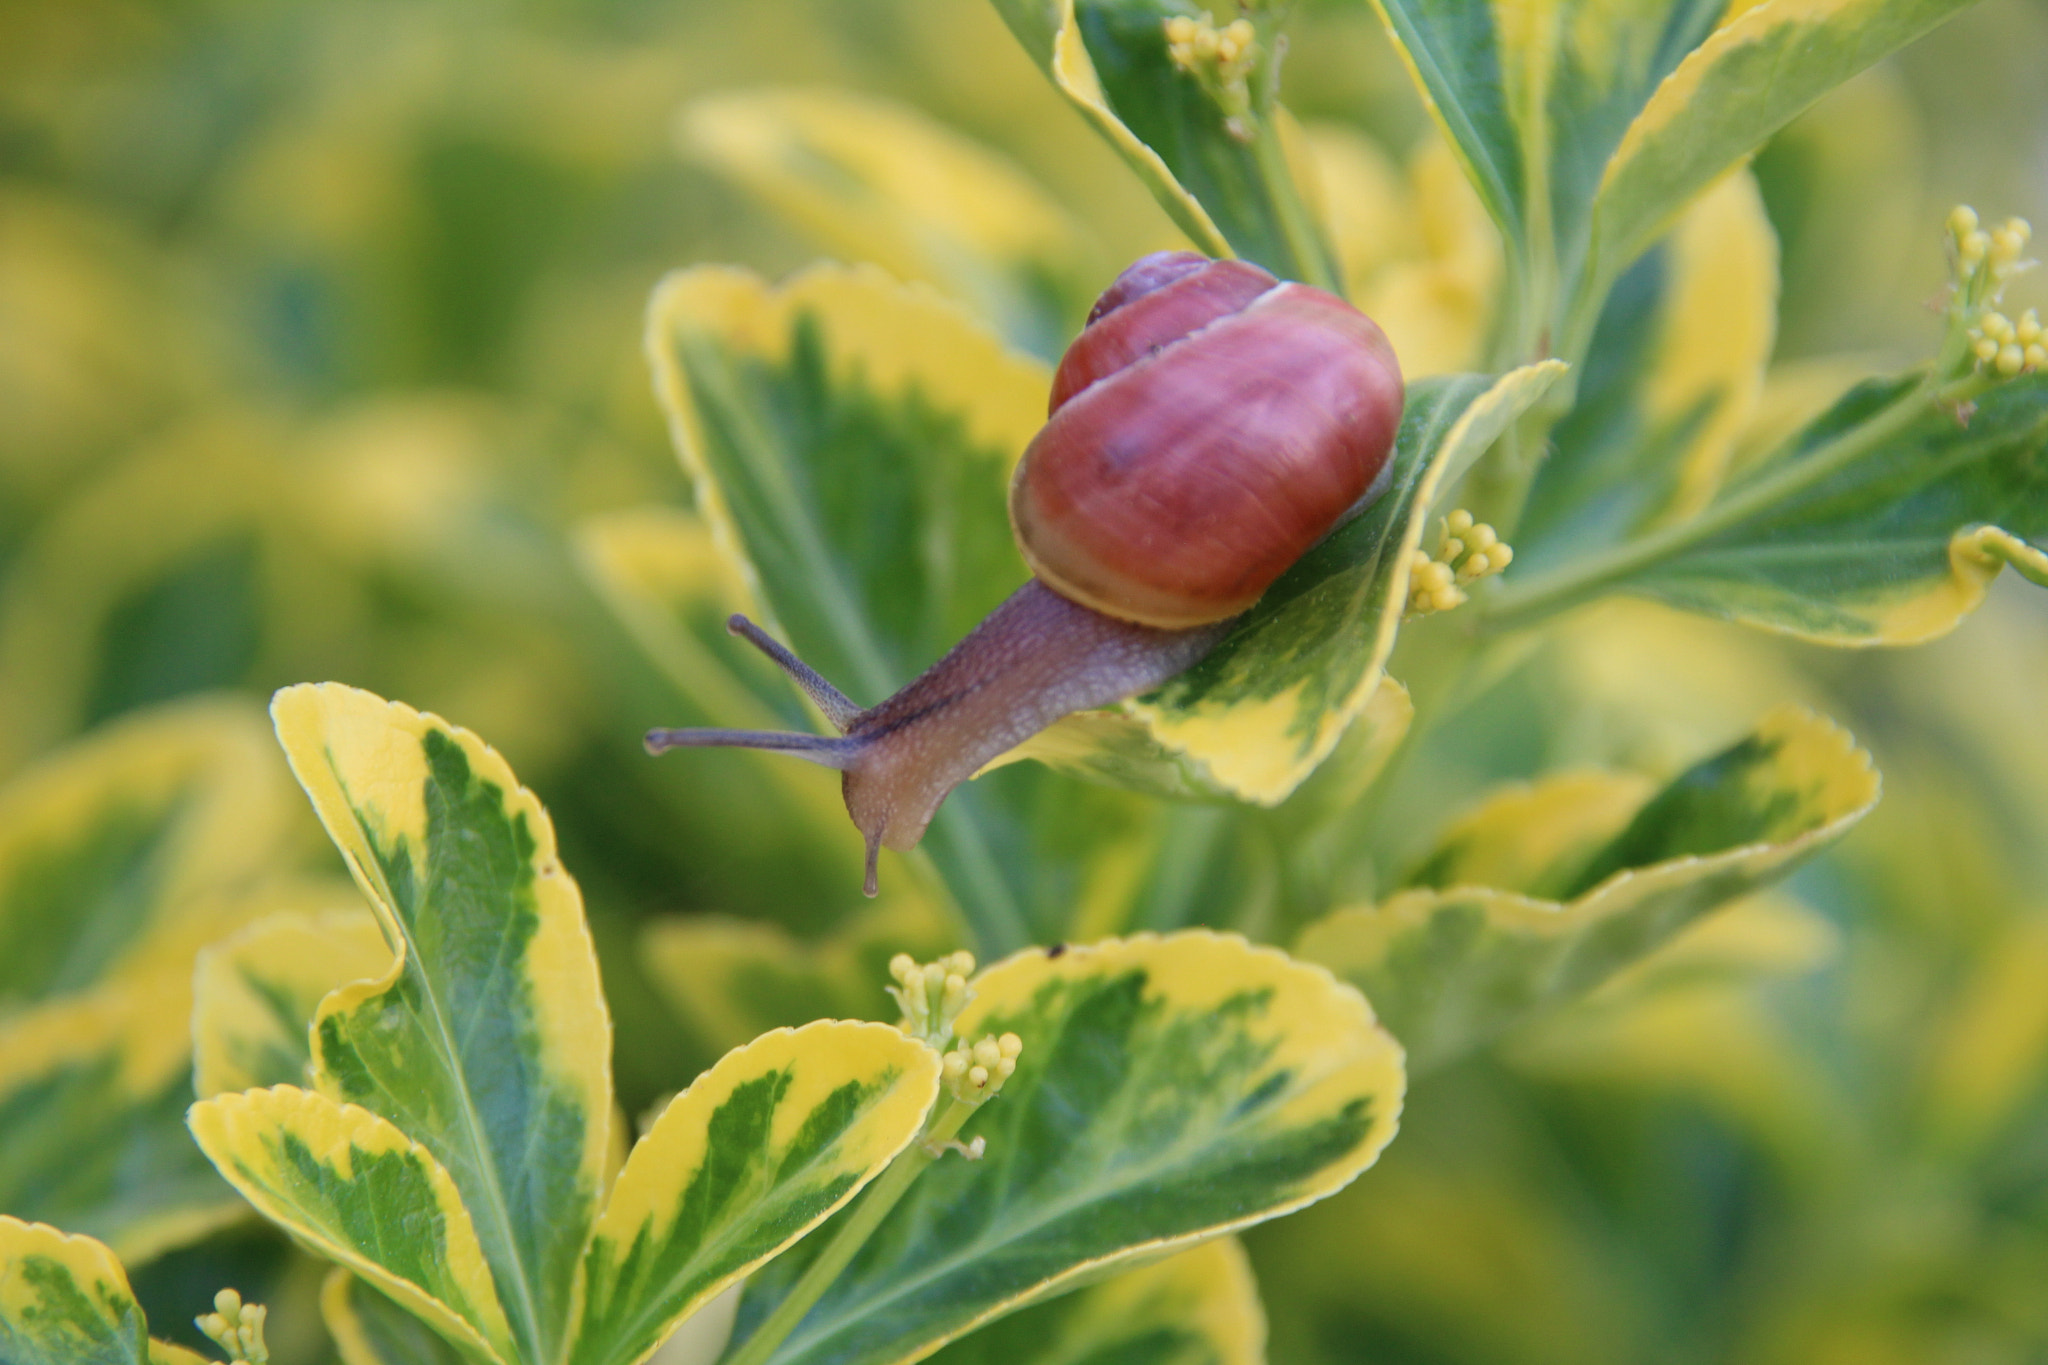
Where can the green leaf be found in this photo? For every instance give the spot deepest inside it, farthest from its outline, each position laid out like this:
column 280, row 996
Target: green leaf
column 759, row 1150
column 120, row 846
column 1882, row 523
column 255, row 994
column 487, row 1041
column 1200, row 1307
column 1226, row 184
column 353, row 1187
column 1672, row 377
column 1271, row 701
column 732, row 980
column 1546, row 891
column 1746, row 81
column 92, row 1090
column 369, row 1329
column 867, row 179
column 1170, row 1090
column 64, row 1300
column 850, row 440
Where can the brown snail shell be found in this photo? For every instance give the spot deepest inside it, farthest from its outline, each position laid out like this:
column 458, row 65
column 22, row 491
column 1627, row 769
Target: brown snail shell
column 1208, row 426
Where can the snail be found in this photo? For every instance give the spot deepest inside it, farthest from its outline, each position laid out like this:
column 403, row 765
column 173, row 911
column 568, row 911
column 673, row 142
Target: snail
column 1208, row 426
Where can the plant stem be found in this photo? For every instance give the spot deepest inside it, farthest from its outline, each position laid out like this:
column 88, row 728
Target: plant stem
column 1518, row 605
column 853, row 1234
column 1309, row 256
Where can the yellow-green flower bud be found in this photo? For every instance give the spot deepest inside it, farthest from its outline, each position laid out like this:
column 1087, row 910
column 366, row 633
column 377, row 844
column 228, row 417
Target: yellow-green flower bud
column 2012, row 357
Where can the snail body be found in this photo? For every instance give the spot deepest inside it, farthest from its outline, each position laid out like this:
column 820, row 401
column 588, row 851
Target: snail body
column 1207, row 427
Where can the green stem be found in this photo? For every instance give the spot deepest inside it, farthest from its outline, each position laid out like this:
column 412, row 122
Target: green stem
column 1518, row 605
column 1310, row 260
column 853, row 1234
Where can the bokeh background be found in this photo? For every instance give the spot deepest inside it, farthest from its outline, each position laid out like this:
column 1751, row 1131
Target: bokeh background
column 320, row 335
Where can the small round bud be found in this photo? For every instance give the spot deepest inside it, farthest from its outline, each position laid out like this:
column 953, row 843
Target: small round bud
column 901, row 966
column 1997, row 326
column 229, row 1304
column 1962, row 220
column 1974, row 247
column 1459, row 522
column 1500, row 556
column 2011, row 358
column 977, row 1076
column 2037, row 356
column 1010, row 1045
column 1985, row 349
column 1483, row 537
column 954, row 1066
column 2029, row 329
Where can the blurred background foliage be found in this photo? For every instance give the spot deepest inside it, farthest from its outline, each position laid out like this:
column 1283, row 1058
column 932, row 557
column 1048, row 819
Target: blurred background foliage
column 320, row 332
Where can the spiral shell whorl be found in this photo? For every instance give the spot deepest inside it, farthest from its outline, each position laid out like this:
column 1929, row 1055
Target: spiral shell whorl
column 1207, row 428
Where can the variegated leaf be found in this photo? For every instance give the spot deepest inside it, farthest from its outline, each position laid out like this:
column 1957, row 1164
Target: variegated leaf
column 1200, row 1307
column 1673, row 374
column 1763, row 65
column 1170, row 1090
column 1882, row 523
column 131, row 844
column 1223, row 178
column 870, row 180
column 487, row 1041
column 64, row 1300
column 351, row 1185
column 1546, row 891
column 92, row 1090
column 759, row 1150
column 1273, row 698
column 255, row 994
column 849, row 439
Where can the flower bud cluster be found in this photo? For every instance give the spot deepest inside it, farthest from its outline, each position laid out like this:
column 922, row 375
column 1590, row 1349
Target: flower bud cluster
column 1220, row 59
column 236, row 1328
column 931, row 994
column 977, row 1073
column 2005, row 347
column 1997, row 250
column 1466, row 552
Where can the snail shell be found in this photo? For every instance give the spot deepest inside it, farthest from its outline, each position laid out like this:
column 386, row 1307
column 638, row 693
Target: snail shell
column 1207, row 428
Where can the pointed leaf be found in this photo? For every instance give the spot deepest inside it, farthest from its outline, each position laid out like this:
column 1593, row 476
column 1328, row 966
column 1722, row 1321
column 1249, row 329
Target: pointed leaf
column 1546, row 891
column 1674, row 372
column 759, row 1150
column 1224, row 182
column 350, row 1185
column 137, row 836
column 1200, row 1307
column 867, row 179
column 487, row 1042
column 255, row 995
column 369, row 1329
column 64, row 1300
column 1272, row 700
column 1170, row 1090
column 850, row 440
column 92, row 1091
column 1884, row 524
column 1741, row 85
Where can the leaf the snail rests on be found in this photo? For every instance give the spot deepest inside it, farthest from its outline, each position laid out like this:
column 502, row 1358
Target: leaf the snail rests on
column 1207, row 427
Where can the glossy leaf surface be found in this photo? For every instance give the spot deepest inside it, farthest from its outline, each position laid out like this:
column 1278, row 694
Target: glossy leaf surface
column 350, row 1184
column 369, row 1329
column 1200, row 1307
column 487, row 1041
column 757, row 1151
column 1894, row 537
column 1545, row 891
column 1170, row 1090
column 64, row 1300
